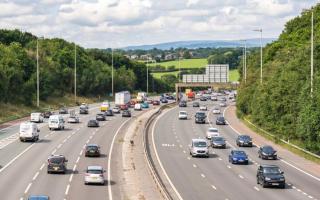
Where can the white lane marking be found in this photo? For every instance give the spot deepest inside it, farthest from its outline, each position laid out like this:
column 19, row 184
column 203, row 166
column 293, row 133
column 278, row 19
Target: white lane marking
column 71, row 176
column 311, row 197
column 74, row 167
column 35, row 176
column 306, row 173
column 241, row 176
column 180, row 146
column 59, row 146
column 219, row 158
column 78, row 159
column 42, row 166
column 203, row 176
column 109, row 158
column 64, row 140
column 46, row 136
column 214, row 187
column 21, row 198
column 294, row 187
column 229, row 166
column 84, row 146
column 55, row 150
column 27, row 189
column 15, row 158
column 304, row 193
column 184, row 151
column 256, row 188
column 67, row 189
column 194, row 165
column 88, row 141
column 81, row 152
column 188, row 158
column 159, row 161
column 298, row 190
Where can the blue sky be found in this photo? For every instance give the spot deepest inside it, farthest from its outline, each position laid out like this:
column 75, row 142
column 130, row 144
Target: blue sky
column 119, row 23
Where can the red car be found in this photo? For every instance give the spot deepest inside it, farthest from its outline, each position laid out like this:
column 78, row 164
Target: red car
column 155, row 102
column 132, row 103
column 124, row 107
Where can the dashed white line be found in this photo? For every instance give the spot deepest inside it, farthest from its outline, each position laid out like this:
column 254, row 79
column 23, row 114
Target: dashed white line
column 64, row 140
column 35, row 176
column 88, row 141
column 311, row 197
column 229, row 166
column 27, row 189
column 241, row 176
column 78, row 159
column 194, row 165
column 81, row 152
column 67, row 189
column 184, row 151
column 42, row 166
column 214, row 187
column 203, row 176
column 256, row 188
column 74, row 167
column 188, row 158
column 55, row 150
column 59, row 146
column 71, row 176
column 219, row 158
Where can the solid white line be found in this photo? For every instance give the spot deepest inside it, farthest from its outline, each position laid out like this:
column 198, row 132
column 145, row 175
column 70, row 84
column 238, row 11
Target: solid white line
column 109, row 158
column 67, row 189
column 27, row 189
column 42, row 166
column 256, row 188
column 15, row 158
column 35, row 176
column 159, row 161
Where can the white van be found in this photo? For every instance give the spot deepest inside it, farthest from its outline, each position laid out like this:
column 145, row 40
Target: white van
column 56, row 122
column 28, row 132
column 137, row 106
column 36, row 117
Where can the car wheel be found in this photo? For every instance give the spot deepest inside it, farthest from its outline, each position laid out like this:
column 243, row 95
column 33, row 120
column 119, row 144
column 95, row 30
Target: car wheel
column 283, row 186
column 258, row 182
column 264, row 185
column 48, row 172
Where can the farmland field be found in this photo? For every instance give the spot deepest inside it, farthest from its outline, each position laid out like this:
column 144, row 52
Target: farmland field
column 185, row 63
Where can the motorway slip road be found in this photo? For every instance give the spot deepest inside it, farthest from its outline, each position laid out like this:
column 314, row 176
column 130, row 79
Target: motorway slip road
column 215, row 177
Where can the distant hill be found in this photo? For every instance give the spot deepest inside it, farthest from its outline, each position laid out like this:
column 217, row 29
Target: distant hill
column 255, row 42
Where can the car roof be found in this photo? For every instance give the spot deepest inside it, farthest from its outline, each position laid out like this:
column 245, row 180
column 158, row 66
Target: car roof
column 94, row 167
column 56, row 156
column 212, row 128
column 238, row 151
column 92, row 145
column 199, row 140
column 266, row 166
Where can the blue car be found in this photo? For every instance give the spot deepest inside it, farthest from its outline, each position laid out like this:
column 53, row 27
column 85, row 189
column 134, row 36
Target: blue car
column 145, row 105
column 238, row 157
column 38, row 197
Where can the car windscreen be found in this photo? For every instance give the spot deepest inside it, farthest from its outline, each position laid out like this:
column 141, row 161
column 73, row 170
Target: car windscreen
column 183, row 113
column 218, row 139
column 200, row 114
column 25, row 127
column 200, row 144
column 271, row 170
column 56, row 160
column 94, row 171
column 245, row 137
column 239, row 153
column 99, row 114
column 221, row 118
column 54, row 121
column 213, row 130
column 268, row 149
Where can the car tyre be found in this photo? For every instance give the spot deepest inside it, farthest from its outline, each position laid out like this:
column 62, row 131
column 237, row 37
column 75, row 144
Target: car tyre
column 264, row 185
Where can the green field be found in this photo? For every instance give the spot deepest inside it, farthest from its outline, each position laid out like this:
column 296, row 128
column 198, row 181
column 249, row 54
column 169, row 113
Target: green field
column 186, row 63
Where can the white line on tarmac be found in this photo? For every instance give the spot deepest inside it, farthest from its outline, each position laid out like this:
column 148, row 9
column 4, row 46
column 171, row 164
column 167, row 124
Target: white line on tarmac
column 27, row 189
column 67, row 189
column 42, row 166
column 35, row 176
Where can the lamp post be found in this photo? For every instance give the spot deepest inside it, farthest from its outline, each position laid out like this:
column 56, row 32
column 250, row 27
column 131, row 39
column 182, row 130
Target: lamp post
column 311, row 73
column 112, row 79
column 260, row 30
column 147, row 74
column 38, row 84
column 75, row 73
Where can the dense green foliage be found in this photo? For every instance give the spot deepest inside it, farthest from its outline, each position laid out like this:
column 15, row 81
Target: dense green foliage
column 226, row 56
column 283, row 104
column 56, row 64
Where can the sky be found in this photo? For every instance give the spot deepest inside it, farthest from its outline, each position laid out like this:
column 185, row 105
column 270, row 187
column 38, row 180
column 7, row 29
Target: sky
column 121, row 23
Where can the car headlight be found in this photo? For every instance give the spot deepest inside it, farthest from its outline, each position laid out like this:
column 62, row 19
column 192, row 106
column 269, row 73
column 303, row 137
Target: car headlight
column 246, row 158
column 281, row 179
column 275, row 154
column 267, row 179
column 234, row 158
column 263, row 153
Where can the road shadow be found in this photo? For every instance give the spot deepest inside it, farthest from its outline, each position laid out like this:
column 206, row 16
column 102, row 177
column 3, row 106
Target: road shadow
column 43, row 141
column 211, row 155
column 111, row 182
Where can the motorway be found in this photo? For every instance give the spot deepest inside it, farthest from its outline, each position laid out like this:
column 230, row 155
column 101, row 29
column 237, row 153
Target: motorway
column 24, row 165
column 214, row 177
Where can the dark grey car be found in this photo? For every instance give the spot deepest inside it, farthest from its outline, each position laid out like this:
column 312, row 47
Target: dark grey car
column 218, row 142
column 57, row 164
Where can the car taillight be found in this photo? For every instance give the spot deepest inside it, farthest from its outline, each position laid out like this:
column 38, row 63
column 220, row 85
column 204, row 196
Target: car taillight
column 101, row 175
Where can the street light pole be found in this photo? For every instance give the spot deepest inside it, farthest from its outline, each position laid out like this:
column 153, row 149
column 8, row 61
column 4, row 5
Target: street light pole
column 147, row 74
column 260, row 30
column 38, row 84
column 245, row 61
column 75, row 73
column 311, row 54
column 112, row 84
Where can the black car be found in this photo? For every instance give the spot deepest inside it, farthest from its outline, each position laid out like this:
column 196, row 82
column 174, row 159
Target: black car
column 223, row 99
column 203, row 98
column 200, row 117
column 270, row 175
column 195, row 104
column 108, row 113
column 244, row 141
column 47, row 114
column 93, row 123
column 84, row 110
column 63, row 110
column 163, row 100
column 126, row 113
column 57, row 164
column 267, row 152
column 182, row 104
column 220, row 121
column 100, row 117
column 92, row 150
column 218, row 142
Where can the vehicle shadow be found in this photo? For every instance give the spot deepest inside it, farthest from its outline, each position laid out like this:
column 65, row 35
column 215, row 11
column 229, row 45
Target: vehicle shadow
column 213, row 155
column 111, row 182
column 43, row 141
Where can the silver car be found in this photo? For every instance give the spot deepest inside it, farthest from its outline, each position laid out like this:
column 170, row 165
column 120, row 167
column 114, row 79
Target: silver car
column 94, row 175
column 199, row 147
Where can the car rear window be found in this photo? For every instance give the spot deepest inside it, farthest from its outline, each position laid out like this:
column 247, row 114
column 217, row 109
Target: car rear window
column 200, row 114
column 56, row 160
column 94, row 171
column 92, row 147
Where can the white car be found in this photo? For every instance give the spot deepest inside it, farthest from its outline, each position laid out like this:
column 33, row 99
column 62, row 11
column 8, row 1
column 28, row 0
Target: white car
column 137, row 106
column 183, row 115
column 203, row 108
column 94, row 175
column 116, row 110
column 214, row 98
column 28, row 132
column 212, row 132
column 73, row 119
column 36, row 117
column 216, row 110
column 222, row 104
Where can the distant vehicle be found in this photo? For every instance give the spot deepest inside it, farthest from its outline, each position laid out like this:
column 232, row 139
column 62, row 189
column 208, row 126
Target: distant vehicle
column 183, row 115
column 171, row 97
column 155, row 102
column 163, row 100
column 149, row 101
column 203, row 98
column 182, row 103
column 270, row 175
column 214, row 98
column 92, row 150
column 36, row 117
column 137, row 106
column 244, row 141
column 63, row 110
column 73, row 119
column 100, row 117
column 38, row 197
column 218, row 142
column 220, row 121
column 116, row 110
column 199, row 147
column 222, row 104
column 93, row 123
column 190, row 95
column 223, row 99
column 104, row 106
column 216, row 110
column 57, row 164
column 109, row 113
column 122, row 98
column 126, row 113
column 47, row 114
column 238, row 157
column 212, row 132
column 28, row 132
column 124, row 107
column 85, row 105
column 56, row 122
column 195, row 104
column 267, row 152
column 203, row 108
column 144, row 105
column 94, row 175
column 200, row 117
column 141, row 97
column 132, row 103
column 84, row 109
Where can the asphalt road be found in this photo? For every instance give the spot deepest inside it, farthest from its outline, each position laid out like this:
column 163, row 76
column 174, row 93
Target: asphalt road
column 24, row 165
column 215, row 177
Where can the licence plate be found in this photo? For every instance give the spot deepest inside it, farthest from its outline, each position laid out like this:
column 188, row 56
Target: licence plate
column 240, row 160
column 275, row 183
column 270, row 157
column 56, row 168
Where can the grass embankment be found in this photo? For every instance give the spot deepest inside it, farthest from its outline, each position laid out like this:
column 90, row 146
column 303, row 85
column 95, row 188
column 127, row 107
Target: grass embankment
column 15, row 111
column 185, row 63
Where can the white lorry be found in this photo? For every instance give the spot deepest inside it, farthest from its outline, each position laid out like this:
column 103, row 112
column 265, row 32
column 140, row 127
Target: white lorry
column 28, row 132
column 122, row 98
column 141, row 97
column 36, row 117
column 56, row 122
